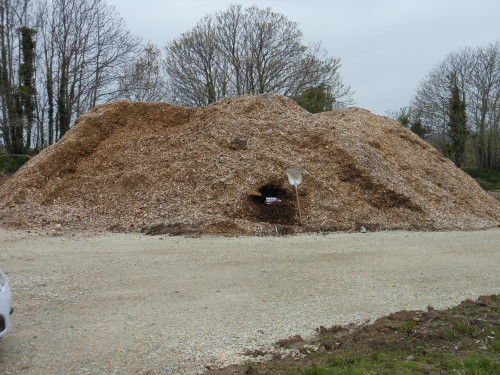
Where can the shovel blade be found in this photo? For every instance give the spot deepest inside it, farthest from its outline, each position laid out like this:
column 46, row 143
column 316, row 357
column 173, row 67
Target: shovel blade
column 294, row 176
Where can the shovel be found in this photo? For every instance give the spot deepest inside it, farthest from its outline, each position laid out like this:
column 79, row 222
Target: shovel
column 295, row 179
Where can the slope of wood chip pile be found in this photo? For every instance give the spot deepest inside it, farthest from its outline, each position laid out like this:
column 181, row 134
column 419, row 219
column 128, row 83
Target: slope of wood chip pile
column 159, row 168
column 3, row 178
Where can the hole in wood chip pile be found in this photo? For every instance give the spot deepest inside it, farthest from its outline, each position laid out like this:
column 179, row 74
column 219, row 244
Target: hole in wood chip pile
column 159, row 168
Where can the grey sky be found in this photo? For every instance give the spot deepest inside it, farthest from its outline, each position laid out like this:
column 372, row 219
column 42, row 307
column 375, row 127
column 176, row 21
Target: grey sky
column 386, row 46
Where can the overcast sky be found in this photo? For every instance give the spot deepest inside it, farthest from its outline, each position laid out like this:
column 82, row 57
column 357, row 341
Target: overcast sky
column 386, row 46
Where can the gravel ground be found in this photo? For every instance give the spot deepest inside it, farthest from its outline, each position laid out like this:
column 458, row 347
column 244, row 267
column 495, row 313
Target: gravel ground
column 127, row 303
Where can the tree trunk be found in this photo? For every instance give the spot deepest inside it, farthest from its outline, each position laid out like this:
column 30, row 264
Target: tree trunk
column 62, row 102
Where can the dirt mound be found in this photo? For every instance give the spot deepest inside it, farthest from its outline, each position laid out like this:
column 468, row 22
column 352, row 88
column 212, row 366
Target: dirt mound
column 160, row 168
column 412, row 342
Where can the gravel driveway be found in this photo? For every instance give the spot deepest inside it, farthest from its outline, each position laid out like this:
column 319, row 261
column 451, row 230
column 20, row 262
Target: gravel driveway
column 127, row 303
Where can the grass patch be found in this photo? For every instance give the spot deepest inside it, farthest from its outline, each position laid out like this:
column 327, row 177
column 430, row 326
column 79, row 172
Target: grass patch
column 461, row 340
column 480, row 364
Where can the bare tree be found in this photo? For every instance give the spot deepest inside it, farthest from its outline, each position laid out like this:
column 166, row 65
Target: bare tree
column 9, row 112
column 58, row 59
column 248, row 51
column 85, row 47
column 46, row 65
column 194, row 65
column 476, row 73
column 143, row 80
column 432, row 97
column 483, row 90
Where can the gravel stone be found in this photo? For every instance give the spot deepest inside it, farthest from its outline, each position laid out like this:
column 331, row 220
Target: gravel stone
column 134, row 304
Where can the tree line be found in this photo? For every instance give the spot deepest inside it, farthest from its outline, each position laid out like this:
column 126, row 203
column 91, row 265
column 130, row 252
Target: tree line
column 456, row 107
column 60, row 58
column 248, row 51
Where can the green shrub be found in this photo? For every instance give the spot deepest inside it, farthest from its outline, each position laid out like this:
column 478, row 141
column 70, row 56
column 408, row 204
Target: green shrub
column 10, row 164
column 489, row 179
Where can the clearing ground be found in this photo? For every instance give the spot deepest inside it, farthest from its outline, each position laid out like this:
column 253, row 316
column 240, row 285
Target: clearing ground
column 134, row 304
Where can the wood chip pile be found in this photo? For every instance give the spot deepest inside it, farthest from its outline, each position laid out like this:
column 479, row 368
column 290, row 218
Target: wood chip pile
column 3, row 178
column 158, row 168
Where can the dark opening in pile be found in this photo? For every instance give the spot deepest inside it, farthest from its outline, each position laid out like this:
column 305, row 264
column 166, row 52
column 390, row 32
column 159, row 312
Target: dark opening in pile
column 159, row 168
column 272, row 204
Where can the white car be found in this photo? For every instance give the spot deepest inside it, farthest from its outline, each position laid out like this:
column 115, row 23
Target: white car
column 6, row 309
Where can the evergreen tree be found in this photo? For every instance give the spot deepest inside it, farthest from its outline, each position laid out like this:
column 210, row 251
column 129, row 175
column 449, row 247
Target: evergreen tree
column 457, row 126
column 418, row 128
column 411, row 119
column 404, row 119
column 316, row 99
column 26, row 78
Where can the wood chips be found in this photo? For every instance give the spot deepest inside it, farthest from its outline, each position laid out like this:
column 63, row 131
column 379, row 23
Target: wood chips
column 159, row 168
